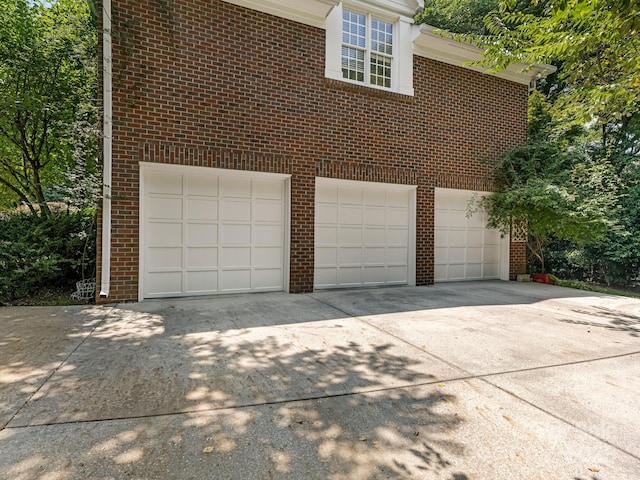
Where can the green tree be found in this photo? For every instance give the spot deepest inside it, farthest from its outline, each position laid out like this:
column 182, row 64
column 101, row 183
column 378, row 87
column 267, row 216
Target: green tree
column 596, row 42
column 47, row 97
column 457, row 16
column 568, row 198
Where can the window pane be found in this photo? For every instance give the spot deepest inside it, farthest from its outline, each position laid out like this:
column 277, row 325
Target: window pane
column 353, row 64
column 380, row 71
column 354, row 29
column 381, row 36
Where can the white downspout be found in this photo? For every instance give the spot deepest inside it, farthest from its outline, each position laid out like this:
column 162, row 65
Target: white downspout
column 107, row 121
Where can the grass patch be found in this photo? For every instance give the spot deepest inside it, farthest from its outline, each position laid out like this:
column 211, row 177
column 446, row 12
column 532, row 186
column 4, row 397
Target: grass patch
column 590, row 287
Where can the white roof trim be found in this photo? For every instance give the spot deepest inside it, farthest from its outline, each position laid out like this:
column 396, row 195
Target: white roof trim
column 308, row 12
column 407, row 8
column 431, row 45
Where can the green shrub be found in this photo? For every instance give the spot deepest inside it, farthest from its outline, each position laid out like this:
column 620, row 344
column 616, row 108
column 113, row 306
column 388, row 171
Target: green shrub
column 44, row 251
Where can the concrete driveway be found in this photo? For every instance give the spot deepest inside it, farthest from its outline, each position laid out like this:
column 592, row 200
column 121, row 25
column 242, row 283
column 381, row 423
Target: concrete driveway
column 484, row 380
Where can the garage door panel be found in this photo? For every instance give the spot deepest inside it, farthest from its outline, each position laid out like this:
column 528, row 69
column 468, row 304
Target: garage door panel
column 440, row 273
column 398, row 198
column 267, row 235
column 374, row 236
column 215, row 232
column 474, row 254
column 236, row 234
column 236, row 187
column 440, row 254
column 476, row 221
column 325, row 276
column 326, row 256
column 202, row 209
column 475, row 237
column 267, row 256
column 164, row 234
column 374, row 255
column 474, row 250
column 375, row 275
column 456, row 271
column 350, row 276
column 350, row 215
column 205, row 281
column 474, row 271
column 397, row 255
column 457, row 254
column 350, row 196
column 202, row 234
column 398, row 217
column 165, row 283
column 266, row 278
column 267, row 212
column 236, row 210
column 440, row 237
column 492, row 269
column 327, row 214
column 202, row 257
column 235, row 280
column 350, row 236
column 375, row 216
column 165, row 208
column 374, row 197
column 441, row 218
column 492, row 255
column 268, row 190
column 326, row 193
column 162, row 258
column 492, row 236
column 163, row 182
column 349, row 256
column 235, row 256
column 203, row 185
column 326, row 235
column 397, row 274
column 457, row 218
column 457, row 237
column 397, row 236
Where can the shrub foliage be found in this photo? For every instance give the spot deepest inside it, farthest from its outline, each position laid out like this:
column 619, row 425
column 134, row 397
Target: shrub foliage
column 38, row 251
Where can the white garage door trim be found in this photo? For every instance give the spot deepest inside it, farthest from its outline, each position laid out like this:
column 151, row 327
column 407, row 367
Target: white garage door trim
column 231, row 176
column 464, row 248
column 365, row 234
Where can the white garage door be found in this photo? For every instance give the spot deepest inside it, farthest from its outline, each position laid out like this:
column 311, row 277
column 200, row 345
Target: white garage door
column 211, row 231
column 364, row 234
column 465, row 249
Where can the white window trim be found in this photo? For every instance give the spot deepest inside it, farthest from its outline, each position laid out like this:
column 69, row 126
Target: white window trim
column 402, row 64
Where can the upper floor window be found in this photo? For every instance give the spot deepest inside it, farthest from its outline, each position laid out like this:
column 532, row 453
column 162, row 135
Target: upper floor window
column 372, row 47
column 367, row 49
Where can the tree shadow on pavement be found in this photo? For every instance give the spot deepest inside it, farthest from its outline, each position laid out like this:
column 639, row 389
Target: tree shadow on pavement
column 148, row 395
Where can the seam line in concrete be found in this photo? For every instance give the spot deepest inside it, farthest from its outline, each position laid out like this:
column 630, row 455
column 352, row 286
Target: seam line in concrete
column 485, row 377
column 557, row 417
column 53, row 372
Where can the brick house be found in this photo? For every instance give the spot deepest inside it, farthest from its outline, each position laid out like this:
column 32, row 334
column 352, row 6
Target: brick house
column 293, row 145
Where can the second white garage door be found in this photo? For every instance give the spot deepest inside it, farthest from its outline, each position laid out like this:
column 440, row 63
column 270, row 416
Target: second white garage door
column 364, row 234
column 211, row 231
column 465, row 249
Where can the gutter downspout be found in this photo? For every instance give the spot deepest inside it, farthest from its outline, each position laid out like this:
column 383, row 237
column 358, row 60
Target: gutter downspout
column 107, row 121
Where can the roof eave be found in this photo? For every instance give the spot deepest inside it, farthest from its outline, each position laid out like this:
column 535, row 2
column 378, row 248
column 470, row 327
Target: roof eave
column 431, row 45
column 309, row 12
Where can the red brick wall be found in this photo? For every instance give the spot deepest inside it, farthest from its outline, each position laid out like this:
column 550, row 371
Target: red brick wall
column 202, row 82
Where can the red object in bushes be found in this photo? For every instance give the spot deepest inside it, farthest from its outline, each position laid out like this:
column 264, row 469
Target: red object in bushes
column 541, row 278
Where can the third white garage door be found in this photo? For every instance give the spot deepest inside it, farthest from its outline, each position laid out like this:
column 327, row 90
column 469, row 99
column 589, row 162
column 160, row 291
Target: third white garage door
column 465, row 249
column 364, row 234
